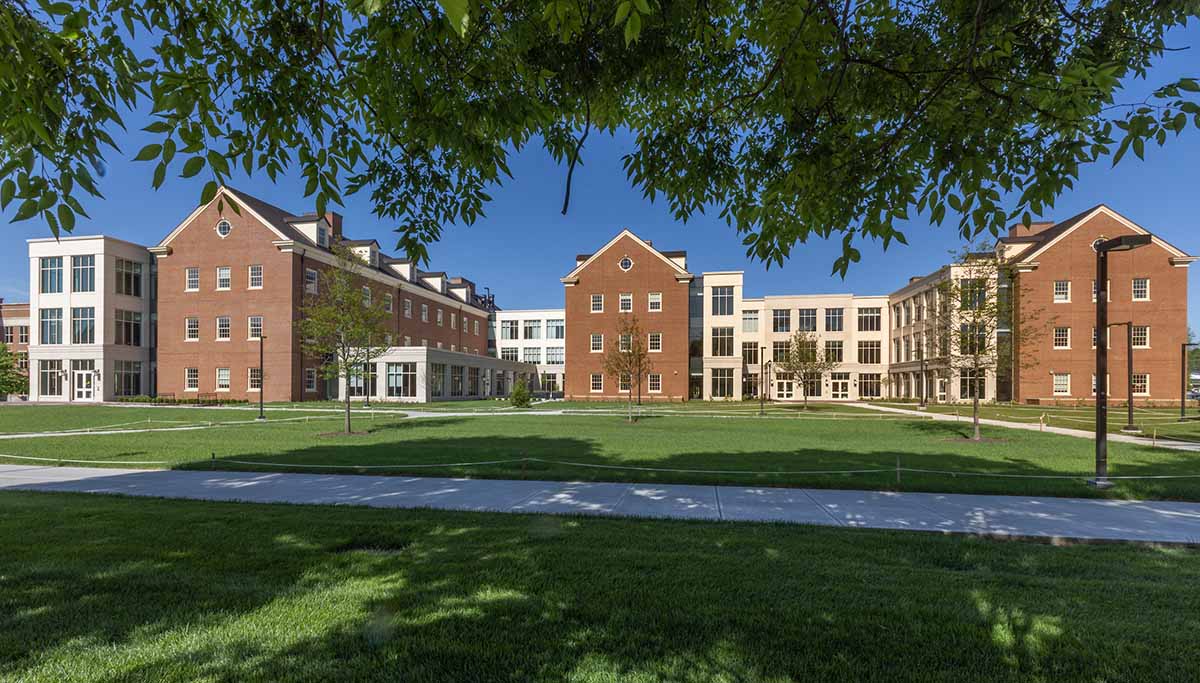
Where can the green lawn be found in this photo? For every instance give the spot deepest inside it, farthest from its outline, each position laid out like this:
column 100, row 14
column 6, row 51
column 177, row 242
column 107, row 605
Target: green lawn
column 1163, row 422
column 38, row 418
column 746, row 450
column 100, row 589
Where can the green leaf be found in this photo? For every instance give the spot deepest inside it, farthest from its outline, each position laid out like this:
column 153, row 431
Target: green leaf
column 633, row 28
column 643, row 6
column 210, row 191
column 148, row 152
column 66, row 217
column 456, row 14
column 160, row 173
column 192, row 167
column 7, row 189
column 1189, row 84
column 28, row 209
column 622, row 12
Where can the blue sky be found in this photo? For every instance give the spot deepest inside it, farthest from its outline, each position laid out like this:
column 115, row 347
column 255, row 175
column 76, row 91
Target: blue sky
column 524, row 245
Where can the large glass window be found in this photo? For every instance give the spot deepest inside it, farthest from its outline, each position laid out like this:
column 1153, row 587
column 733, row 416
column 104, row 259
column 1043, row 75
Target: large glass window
column 129, row 277
column 556, row 329
column 127, row 378
column 972, row 383
column 722, row 341
column 509, row 353
column 533, row 329
column 722, row 300
column 51, row 320
column 869, row 385
column 972, row 339
column 402, row 380
column 869, row 320
column 779, row 351
column 750, row 353
column 83, row 273
column 457, row 380
column 833, row 320
column 833, row 351
column 806, row 319
column 812, row 384
column 972, row 293
column 533, row 354
column 870, row 352
column 749, row 321
column 437, row 379
column 781, row 319
column 472, row 381
column 555, row 355
column 52, row 275
column 83, row 324
column 128, row 328
column 50, row 377
column 510, row 329
column 722, row 382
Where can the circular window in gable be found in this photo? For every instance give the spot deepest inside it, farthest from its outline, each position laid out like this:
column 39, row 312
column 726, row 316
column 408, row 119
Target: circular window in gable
column 625, row 263
column 224, row 228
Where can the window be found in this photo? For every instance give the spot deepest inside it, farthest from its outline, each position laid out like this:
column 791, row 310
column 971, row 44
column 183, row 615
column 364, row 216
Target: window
column 1141, row 289
column 457, row 380
column 453, row 320
column 50, row 377
column 556, row 329
column 1062, row 292
column 833, row 351
column 972, row 383
column 807, row 319
column 722, row 341
column 402, row 380
column 1062, row 337
column 532, row 354
column 191, row 379
column 625, row 343
column 23, row 334
column 191, row 329
column 533, row 329
column 509, row 329
column 437, row 378
column 1141, row 336
column 896, row 316
column 224, row 228
column 869, row 385
column 322, row 236
column 128, row 328
column 255, row 276
column 1062, row 383
column 870, row 352
column 222, row 379
column 424, row 313
column 811, row 383
column 973, row 339
column 597, row 343
column 366, row 297
column 597, row 382
column 654, row 342
column 972, row 293
column 722, row 382
column 549, row 381
column 625, row 263
column 310, row 281
column 781, row 320
column 555, row 355
column 388, row 302
column 749, row 321
column 224, row 277
column 749, row 353
column 907, row 312
column 1141, row 384
column 654, row 302
column 52, row 275
column 722, row 300
column 597, row 303
column 779, row 351
column 625, row 303
column 127, row 378
column 440, row 317
column 833, row 320
column 253, row 379
column 255, row 327
column 310, row 380
column 625, row 382
column 509, row 353
column 223, row 328
column 408, row 308
column 654, row 383
column 51, row 332
column 869, row 319
column 83, row 325
column 476, row 328
column 83, row 273
column 8, row 334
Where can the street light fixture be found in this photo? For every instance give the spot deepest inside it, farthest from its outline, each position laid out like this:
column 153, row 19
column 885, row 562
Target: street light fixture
column 1103, row 247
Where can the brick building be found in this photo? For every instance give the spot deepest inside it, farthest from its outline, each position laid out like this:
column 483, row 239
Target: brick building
column 229, row 280
column 1055, row 310
column 14, row 332
column 627, row 277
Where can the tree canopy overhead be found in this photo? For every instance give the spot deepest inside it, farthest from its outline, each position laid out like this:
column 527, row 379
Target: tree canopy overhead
column 791, row 119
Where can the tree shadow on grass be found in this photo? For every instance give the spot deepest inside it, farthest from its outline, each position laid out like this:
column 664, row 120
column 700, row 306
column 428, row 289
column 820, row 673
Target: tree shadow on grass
column 268, row 593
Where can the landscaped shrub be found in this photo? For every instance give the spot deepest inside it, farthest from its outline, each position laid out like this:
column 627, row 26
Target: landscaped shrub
column 172, row 401
column 520, row 397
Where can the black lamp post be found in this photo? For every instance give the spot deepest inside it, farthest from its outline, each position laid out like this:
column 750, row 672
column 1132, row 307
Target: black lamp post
column 763, row 363
column 262, row 378
column 1103, row 247
column 921, row 354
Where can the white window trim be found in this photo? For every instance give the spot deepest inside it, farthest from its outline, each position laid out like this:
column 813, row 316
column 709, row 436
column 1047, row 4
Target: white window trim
column 307, row 389
column 1054, row 340
column 592, row 305
column 249, row 328
column 185, row 380
column 1054, row 389
column 218, row 336
column 1147, row 344
column 185, row 330
column 621, row 300
column 654, row 391
column 591, row 346
column 1147, row 391
column 1132, row 296
column 217, row 381
column 185, row 280
column 591, row 385
column 650, row 347
column 248, row 377
column 250, row 276
column 1054, row 294
column 219, row 288
column 650, row 301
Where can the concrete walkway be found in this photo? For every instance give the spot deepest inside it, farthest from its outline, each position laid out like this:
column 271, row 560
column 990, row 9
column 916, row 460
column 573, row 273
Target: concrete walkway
column 1067, row 518
column 1065, row 431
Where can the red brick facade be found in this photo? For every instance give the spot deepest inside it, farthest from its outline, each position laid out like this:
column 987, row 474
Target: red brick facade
column 1064, row 254
column 14, row 330
column 601, row 274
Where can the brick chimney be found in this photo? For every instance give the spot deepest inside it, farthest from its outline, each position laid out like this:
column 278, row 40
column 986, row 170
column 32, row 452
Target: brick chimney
column 334, row 219
column 1034, row 228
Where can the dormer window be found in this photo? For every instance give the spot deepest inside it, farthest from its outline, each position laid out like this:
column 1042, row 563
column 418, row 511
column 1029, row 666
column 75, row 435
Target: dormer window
column 322, row 236
column 224, row 228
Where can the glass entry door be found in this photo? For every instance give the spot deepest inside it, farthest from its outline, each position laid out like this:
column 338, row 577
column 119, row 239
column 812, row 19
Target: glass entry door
column 839, row 385
column 82, row 379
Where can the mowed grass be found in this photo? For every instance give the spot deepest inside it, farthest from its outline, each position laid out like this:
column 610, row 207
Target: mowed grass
column 771, row 451
column 28, row 418
column 1161, row 422
column 98, row 588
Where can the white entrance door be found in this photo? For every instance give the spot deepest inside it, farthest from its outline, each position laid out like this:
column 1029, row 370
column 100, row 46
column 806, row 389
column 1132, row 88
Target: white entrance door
column 839, row 385
column 83, row 385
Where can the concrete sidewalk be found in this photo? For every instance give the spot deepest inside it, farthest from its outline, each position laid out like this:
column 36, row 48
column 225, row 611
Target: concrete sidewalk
column 1067, row 518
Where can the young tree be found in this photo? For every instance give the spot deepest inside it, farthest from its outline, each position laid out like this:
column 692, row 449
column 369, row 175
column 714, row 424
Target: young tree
column 12, row 380
column 340, row 325
column 806, row 360
column 630, row 358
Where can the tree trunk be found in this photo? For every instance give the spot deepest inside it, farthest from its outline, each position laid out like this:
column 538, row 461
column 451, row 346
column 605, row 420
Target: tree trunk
column 629, row 396
column 975, row 417
column 347, row 397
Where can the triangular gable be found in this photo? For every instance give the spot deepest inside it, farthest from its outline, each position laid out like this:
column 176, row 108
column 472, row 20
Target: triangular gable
column 1080, row 220
column 626, row 232
column 229, row 195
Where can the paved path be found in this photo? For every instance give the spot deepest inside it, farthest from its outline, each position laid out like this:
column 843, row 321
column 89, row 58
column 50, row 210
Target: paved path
column 1074, row 518
column 1033, row 427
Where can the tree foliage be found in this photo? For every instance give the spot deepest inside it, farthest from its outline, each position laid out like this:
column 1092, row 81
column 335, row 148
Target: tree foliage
column 520, row 397
column 12, row 380
column 791, row 119
column 629, row 358
column 339, row 326
column 806, row 361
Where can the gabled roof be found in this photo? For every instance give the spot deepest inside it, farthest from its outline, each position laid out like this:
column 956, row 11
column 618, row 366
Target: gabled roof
column 680, row 273
column 1050, row 236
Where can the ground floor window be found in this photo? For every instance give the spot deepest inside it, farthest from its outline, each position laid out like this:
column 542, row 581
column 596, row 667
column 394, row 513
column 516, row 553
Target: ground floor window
column 654, row 383
column 1062, row 384
column 973, row 384
column 1141, row 384
column 625, row 382
column 597, row 382
column 812, row 385
column 722, row 382
column 310, row 379
column 402, row 380
column 869, row 385
column 222, row 379
column 749, row 385
column 362, row 383
column 472, row 381
column 191, row 379
column 127, row 378
column 254, row 382
column 437, row 379
column 50, row 377
column 549, row 381
column 500, row 383
column 456, row 380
